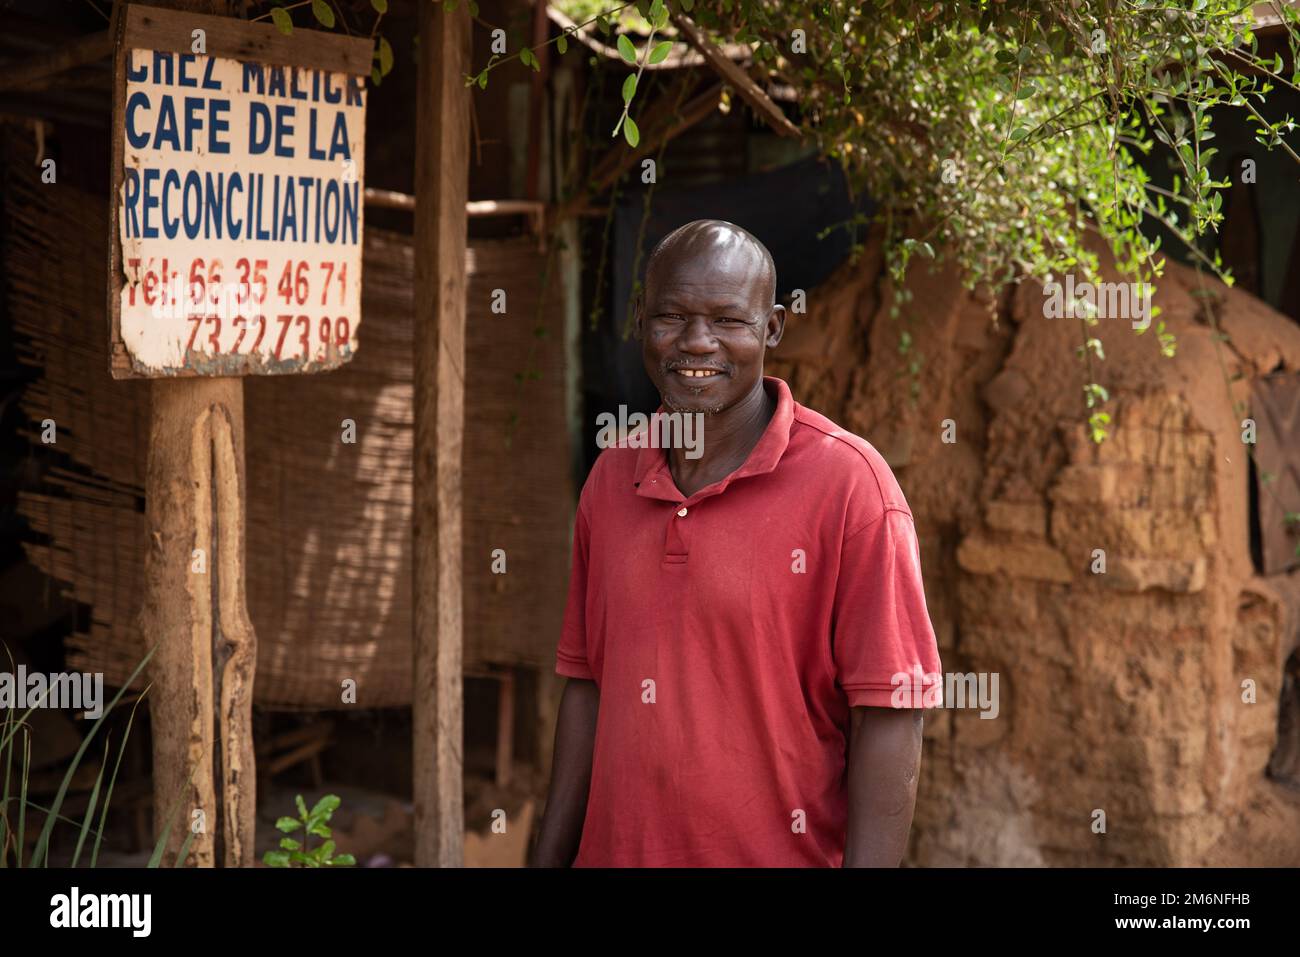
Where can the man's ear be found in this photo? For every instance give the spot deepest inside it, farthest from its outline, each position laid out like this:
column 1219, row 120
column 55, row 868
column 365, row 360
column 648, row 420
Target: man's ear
column 775, row 325
column 637, row 326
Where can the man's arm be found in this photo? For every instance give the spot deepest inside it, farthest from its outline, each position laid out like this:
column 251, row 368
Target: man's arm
column 566, row 802
column 884, row 761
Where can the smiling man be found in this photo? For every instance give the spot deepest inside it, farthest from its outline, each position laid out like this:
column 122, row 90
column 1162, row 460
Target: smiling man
column 736, row 622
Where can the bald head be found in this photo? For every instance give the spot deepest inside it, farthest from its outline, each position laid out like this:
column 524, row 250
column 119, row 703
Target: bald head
column 715, row 241
column 706, row 316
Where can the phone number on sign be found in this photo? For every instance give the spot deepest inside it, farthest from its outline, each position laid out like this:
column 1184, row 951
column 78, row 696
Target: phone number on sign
column 226, row 310
column 204, row 285
column 206, row 333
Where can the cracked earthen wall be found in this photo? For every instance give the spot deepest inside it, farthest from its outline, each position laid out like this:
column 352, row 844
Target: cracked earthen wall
column 1119, row 692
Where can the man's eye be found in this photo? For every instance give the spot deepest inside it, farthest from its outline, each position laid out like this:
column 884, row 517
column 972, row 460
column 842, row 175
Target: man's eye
column 669, row 315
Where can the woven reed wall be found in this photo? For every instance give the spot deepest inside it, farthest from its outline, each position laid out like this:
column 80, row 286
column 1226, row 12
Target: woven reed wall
column 329, row 576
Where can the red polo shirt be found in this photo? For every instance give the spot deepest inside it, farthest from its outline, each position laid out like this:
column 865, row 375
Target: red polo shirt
column 730, row 632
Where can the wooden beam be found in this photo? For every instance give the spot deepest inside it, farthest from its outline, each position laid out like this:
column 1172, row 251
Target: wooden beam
column 537, row 102
column 87, row 49
column 735, row 77
column 441, row 188
column 618, row 160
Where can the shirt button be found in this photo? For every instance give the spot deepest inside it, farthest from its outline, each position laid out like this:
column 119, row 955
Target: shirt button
column 681, row 513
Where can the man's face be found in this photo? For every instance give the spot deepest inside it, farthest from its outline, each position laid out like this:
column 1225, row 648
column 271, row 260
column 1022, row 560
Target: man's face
column 705, row 320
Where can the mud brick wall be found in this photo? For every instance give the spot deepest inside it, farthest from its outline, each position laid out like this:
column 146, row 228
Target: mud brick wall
column 1119, row 691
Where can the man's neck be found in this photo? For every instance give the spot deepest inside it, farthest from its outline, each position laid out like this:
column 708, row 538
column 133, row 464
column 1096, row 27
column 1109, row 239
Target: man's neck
column 729, row 438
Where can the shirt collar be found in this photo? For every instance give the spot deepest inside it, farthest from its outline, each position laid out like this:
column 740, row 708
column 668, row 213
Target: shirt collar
column 763, row 458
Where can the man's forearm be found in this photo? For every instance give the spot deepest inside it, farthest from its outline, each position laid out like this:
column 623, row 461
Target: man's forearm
column 566, row 802
column 883, row 765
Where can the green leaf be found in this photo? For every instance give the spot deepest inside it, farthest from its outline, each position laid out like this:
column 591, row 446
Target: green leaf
column 385, row 57
column 343, row 860
column 629, row 88
column 381, row 6
column 375, row 76
column 325, row 807
column 660, row 52
column 276, row 858
column 302, row 807
column 289, row 844
column 320, row 829
column 626, row 50
column 631, row 133
column 323, row 14
column 288, row 824
column 281, row 20
column 688, row 5
column 602, row 23
column 562, row 44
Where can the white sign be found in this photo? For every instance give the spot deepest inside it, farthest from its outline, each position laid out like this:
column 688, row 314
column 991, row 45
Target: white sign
column 239, row 215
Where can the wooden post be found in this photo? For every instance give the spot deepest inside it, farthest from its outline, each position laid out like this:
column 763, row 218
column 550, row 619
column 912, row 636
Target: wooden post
column 194, row 609
column 441, row 188
column 193, row 606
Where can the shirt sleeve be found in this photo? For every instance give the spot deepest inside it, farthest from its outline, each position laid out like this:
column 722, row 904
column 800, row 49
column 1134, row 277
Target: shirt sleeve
column 571, row 655
column 883, row 644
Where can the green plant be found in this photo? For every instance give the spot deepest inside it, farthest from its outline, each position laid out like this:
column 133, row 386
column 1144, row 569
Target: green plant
column 12, row 834
column 313, row 822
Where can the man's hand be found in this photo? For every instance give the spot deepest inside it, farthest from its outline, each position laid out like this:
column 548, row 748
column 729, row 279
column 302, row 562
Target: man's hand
column 884, row 761
column 566, row 802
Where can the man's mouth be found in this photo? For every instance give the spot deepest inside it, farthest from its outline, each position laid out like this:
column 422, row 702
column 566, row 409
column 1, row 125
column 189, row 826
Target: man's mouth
column 698, row 373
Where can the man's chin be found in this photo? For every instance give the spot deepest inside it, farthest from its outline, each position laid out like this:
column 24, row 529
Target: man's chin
column 694, row 408
column 691, row 404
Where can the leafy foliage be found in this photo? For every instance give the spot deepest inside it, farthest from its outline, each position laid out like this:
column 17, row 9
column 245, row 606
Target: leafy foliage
column 295, row 853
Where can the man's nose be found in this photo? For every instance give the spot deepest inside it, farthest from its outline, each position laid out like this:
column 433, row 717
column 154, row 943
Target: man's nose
column 697, row 337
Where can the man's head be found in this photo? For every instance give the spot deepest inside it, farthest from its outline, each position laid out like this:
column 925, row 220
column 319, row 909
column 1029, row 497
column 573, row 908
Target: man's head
column 707, row 315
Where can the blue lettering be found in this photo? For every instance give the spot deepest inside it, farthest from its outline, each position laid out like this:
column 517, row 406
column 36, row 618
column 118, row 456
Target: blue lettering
column 182, row 75
column 283, row 127
column 137, row 99
column 167, row 131
column 233, row 182
column 339, row 141
column 259, row 128
column 211, row 206
column 253, row 71
column 162, row 65
column 132, row 198
column 170, row 223
column 137, row 74
column 150, row 201
column 217, row 124
column 312, row 151
column 192, row 224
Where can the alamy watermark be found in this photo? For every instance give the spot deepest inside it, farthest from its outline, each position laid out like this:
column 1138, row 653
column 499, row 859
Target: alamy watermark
column 77, row 691
column 658, row 430
column 1098, row 300
column 952, row 690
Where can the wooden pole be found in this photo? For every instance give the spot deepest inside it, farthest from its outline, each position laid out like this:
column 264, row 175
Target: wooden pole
column 441, row 189
column 194, row 609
